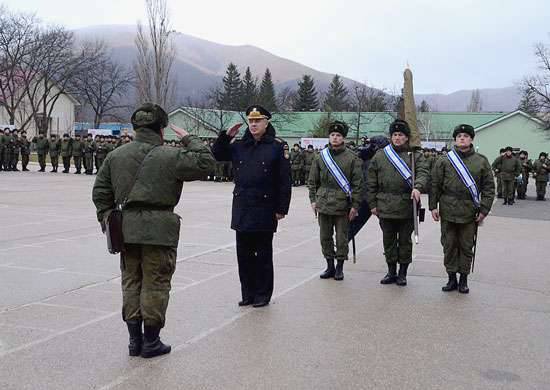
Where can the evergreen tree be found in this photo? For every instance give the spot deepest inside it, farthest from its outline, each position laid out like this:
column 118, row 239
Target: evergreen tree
column 306, row 98
column 266, row 96
column 424, row 107
column 336, row 98
column 230, row 97
column 249, row 90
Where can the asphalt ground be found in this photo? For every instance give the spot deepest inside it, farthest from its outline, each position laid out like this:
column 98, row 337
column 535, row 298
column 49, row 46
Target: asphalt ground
column 61, row 327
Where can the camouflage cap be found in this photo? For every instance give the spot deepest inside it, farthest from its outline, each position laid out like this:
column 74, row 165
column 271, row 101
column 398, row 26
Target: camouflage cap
column 149, row 115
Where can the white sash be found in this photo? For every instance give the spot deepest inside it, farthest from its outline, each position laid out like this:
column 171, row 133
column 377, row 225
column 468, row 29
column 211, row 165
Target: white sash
column 400, row 165
column 465, row 176
column 336, row 172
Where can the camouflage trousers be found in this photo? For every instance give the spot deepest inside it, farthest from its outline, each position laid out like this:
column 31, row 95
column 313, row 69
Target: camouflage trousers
column 396, row 237
column 499, row 185
column 89, row 163
column 522, row 187
column 24, row 161
column 296, row 175
column 42, row 161
column 77, row 160
column 507, row 189
column 54, row 161
column 146, row 282
column 541, row 188
column 330, row 224
column 458, row 243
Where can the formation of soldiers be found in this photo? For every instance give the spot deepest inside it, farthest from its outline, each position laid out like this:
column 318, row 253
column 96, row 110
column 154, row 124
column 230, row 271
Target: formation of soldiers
column 513, row 171
column 87, row 152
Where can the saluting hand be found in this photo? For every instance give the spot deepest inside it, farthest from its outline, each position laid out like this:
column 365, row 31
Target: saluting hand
column 179, row 131
column 233, row 131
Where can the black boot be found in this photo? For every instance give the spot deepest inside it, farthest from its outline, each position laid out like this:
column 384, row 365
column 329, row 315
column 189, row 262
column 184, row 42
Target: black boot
column 136, row 337
column 152, row 345
column 402, row 276
column 463, row 284
column 339, row 272
column 329, row 272
column 391, row 276
column 452, row 284
column 505, row 201
column 511, row 201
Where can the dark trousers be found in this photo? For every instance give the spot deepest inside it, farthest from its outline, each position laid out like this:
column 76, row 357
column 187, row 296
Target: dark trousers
column 255, row 259
column 363, row 215
column 396, row 236
column 77, row 163
column 24, row 160
column 42, row 161
column 66, row 163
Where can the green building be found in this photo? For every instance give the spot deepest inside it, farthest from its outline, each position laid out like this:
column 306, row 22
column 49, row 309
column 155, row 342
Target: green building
column 494, row 130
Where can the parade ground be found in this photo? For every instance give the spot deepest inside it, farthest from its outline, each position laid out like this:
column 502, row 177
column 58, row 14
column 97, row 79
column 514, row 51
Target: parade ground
column 60, row 303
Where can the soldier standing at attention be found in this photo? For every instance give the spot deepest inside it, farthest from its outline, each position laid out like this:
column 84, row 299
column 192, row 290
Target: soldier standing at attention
column 541, row 167
column 335, row 183
column 309, row 157
column 260, row 199
column 508, row 168
column 389, row 193
column 296, row 164
column 54, row 146
column 100, row 152
column 463, row 190
column 42, row 148
column 526, row 167
column 66, row 152
column 15, row 150
column 150, row 227
column 77, row 152
column 499, row 180
column 2, row 148
column 89, row 150
column 25, row 146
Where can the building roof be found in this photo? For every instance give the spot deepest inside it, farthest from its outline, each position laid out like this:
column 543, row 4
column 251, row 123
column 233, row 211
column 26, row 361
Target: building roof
column 433, row 125
column 507, row 116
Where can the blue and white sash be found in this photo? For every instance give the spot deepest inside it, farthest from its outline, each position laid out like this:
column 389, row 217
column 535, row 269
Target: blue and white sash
column 465, row 176
column 336, row 172
column 400, row 165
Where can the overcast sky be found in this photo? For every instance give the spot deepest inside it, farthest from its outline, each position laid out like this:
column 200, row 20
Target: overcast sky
column 450, row 45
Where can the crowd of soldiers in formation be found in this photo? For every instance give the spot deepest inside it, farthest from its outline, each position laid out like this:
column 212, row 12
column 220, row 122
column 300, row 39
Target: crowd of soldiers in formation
column 512, row 168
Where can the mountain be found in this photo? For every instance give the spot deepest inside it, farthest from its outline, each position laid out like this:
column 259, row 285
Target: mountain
column 201, row 64
column 492, row 100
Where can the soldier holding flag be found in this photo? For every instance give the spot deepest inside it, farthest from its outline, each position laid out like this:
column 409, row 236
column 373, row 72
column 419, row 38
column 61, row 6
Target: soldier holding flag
column 463, row 191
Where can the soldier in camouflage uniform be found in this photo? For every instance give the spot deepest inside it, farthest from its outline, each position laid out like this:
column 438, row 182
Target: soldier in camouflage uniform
column 54, row 147
column 526, row 168
column 389, row 196
column 309, row 157
column 499, row 180
column 42, row 148
column 77, row 152
column 66, row 152
column 89, row 150
column 451, row 203
column 150, row 227
column 25, row 148
column 541, row 167
column 296, row 164
column 100, row 152
column 16, row 149
column 333, row 208
column 3, row 141
column 508, row 168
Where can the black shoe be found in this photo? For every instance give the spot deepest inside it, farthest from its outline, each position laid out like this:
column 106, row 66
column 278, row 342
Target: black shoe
column 452, row 284
column 152, row 346
column 261, row 303
column 329, row 272
column 402, row 276
column 511, row 202
column 25, row 170
column 339, row 272
column 136, row 337
column 505, row 202
column 391, row 276
column 246, row 302
column 463, row 284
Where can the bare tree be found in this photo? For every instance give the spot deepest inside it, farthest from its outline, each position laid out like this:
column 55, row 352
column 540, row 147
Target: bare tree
column 536, row 88
column 156, row 56
column 476, row 104
column 102, row 83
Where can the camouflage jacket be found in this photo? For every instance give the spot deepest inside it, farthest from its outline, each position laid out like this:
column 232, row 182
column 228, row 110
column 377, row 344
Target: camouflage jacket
column 54, row 147
column 78, row 148
column 148, row 216
column 42, row 145
column 325, row 191
column 451, row 195
column 66, row 148
column 540, row 170
column 296, row 159
column 387, row 191
column 508, row 167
